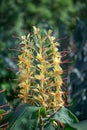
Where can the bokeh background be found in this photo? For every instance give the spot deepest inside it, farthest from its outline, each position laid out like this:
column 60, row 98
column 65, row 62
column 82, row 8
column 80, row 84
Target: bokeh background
column 68, row 20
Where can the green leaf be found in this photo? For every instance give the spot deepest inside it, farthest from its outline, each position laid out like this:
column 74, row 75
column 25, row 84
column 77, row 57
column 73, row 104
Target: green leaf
column 43, row 112
column 3, row 100
column 25, row 118
column 49, row 126
column 80, row 126
column 5, row 112
column 69, row 119
column 65, row 116
column 68, row 127
column 2, row 111
column 6, row 117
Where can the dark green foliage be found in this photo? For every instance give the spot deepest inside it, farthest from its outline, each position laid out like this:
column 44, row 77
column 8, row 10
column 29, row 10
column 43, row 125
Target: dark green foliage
column 28, row 117
column 5, row 112
column 25, row 117
column 49, row 127
column 65, row 116
column 78, row 75
column 43, row 112
column 77, row 126
column 81, row 125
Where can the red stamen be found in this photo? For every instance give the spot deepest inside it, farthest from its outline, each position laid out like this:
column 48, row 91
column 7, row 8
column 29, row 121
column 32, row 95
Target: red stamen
column 64, row 83
column 13, row 57
column 63, row 55
column 66, row 61
column 14, row 69
column 4, row 105
column 65, row 78
column 68, row 51
column 4, row 113
column 4, row 125
column 2, row 90
column 67, row 70
column 12, row 79
column 63, row 87
column 63, row 38
column 10, row 49
column 15, row 36
column 68, row 105
column 68, row 92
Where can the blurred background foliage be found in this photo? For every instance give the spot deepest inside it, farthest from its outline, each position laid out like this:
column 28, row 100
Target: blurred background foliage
column 68, row 19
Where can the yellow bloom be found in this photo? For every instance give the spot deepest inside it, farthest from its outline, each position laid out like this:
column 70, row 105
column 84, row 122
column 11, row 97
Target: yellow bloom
column 40, row 77
column 39, row 57
column 42, row 67
column 23, row 37
column 40, row 71
column 56, row 60
column 52, row 39
column 58, row 70
column 36, row 30
column 58, row 81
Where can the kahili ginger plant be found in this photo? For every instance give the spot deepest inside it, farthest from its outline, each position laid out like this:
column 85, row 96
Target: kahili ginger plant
column 40, row 73
column 40, row 82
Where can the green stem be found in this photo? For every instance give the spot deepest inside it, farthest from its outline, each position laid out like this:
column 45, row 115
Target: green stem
column 41, row 124
column 41, row 128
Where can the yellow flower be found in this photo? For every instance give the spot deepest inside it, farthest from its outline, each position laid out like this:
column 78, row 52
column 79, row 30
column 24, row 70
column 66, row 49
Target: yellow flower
column 42, row 67
column 36, row 30
column 56, row 60
column 23, row 37
column 39, row 57
column 40, row 72
column 58, row 70
column 52, row 39
column 40, row 77
column 58, row 81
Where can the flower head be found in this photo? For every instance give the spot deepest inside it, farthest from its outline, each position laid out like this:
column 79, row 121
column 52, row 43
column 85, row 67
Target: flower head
column 40, row 71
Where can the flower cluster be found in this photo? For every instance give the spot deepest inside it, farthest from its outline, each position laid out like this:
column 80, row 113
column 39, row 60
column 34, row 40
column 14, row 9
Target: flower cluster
column 40, row 71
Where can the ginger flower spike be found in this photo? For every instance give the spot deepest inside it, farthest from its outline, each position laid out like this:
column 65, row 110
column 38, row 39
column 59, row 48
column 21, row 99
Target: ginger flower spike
column 40, row 72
